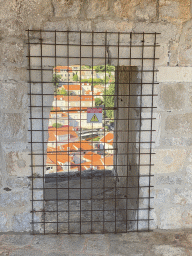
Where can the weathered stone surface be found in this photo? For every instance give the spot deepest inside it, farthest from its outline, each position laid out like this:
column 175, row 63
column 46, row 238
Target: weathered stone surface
column 3, row 221
column 13, row 96
column 176, row 141
column 168, row 161
column 185, row 45
column 13, row 126
column 172, row 96
column 170, row 218
column 20, row 222
column 174, row 11
column 18, row 163
column 20, row 15
column 134, row 9
column 65, row 8
column 189, row 174
column 162, row 196
column 182, row 196
column 167, row 250
column 15, row 199
column 174, row 74
column 179, row 124
column 170, row 180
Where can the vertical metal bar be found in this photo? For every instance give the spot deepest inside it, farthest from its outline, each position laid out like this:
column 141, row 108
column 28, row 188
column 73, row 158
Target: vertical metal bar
column 80, row 132
column 42, row 119
column 140, row 116
column 129, row 93
column 92, row 136
column 68, row 130
column 31, row 124
column 150, row 155
column 56, row 133
column 104, row 140
column 117, row 114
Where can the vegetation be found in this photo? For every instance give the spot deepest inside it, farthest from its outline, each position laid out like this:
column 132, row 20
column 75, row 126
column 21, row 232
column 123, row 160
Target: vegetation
column 98, row 102
column 62, row 91
column 57, row 125
column 109, row 100
column 75, row 78
column 101, row 68
column 56, row 79
column 95, row 139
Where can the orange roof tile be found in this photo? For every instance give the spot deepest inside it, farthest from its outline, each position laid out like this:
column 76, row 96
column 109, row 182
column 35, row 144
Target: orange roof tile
column 58, row 68
column 90, row 156
column 108, row 138
column 75, row 98
column 72, row 87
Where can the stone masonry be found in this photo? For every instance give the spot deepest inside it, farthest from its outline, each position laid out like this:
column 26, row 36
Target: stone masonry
column 173, row 138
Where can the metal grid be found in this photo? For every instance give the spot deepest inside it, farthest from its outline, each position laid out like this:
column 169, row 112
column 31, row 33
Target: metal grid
column 113, row 194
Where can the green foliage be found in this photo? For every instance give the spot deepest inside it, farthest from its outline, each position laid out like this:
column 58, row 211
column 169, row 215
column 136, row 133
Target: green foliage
column 101, row 68
column 56, row 79
column 57, row 125
column 109, row 100
column 95, row 81
column 96, row 139
column 106, row 128
column 75, row 78
column 98, row 102
column 62, row 91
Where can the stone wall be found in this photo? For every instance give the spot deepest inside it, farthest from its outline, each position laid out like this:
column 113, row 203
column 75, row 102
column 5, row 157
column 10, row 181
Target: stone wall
column 173, row 160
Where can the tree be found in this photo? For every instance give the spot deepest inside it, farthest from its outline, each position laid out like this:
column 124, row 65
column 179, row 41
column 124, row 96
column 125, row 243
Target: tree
column 75, row 78
column 98, row 101
column 57, row 125
column 109, row 100
column 56, row 79
column 62, row 91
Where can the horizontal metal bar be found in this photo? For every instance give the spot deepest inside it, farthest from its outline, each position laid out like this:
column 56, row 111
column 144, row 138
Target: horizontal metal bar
column 95, row 131
column 129, row 142
column 74, row 57
column 87, row 221
column 103, row 95
column 90, row 32
column 82, row 107
column 98, row 45
column 107, row 188
column 58, row 153
column 48, row 82
column 95, row 199
column 131, row 209
column 119, row 176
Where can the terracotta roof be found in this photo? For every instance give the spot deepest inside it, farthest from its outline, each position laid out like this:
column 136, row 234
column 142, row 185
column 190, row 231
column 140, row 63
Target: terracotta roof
column 61, row 131
column 58, row 68
column 75, row 98
column 72, row 87
column 53, row 158
column 108, row 138
column 92, row 157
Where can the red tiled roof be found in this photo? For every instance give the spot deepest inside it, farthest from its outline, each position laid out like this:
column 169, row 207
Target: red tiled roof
column 75, row 98
column 58, row 68
column 72, row 87
column 108, row 138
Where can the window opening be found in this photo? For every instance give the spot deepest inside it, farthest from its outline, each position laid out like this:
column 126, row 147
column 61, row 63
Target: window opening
column 91, row 130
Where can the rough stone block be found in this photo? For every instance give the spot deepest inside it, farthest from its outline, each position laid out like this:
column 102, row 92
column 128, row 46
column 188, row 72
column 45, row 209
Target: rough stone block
column 13, row 96
column 15, row 199
column 13, row 126
column 170, row 180
column 185, row 52
column 13, row 53
column 18, row 163
column 189, row 174
column 180, row 124
column 168, row 160
column 162, row 196
column 134, row 10
column 182, row 196
column 3, row 221
column 172, row 96
column 64, row 8
column 168, row 250
column 170, row 217
column 187, row 217
column 20, row 222
column 174, row 74
column 174, row 11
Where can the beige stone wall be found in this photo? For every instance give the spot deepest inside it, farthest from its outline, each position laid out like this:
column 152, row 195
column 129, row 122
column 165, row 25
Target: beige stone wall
column 173, row 160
